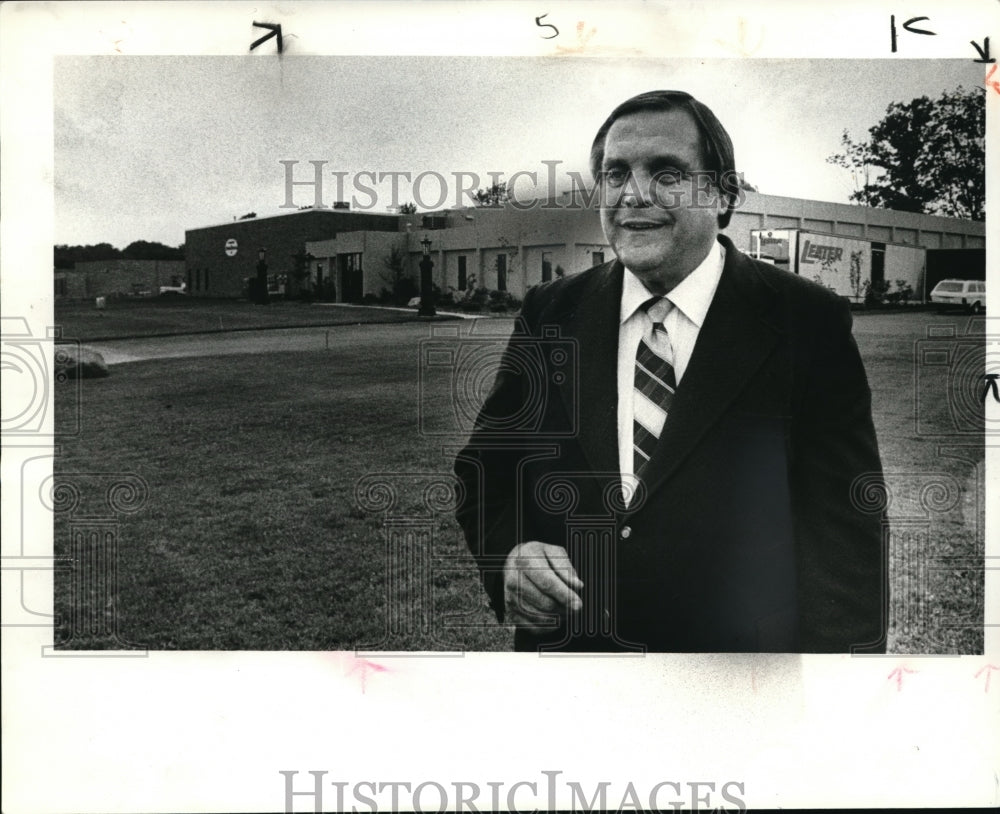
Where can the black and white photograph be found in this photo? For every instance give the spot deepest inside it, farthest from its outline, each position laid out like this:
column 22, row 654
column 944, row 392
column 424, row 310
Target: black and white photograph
column 292, row 390
column 460, row 392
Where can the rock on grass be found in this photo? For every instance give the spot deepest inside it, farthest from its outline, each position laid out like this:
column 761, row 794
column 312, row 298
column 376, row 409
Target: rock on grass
column 80, row 363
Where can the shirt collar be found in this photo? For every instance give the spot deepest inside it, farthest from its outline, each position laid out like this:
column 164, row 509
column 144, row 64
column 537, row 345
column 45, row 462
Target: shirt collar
column 692, row 296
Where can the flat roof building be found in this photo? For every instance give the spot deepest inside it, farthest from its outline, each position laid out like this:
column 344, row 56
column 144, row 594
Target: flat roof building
column 346, row 256
column 220, row 259
column 122, row 277
column 511, row 249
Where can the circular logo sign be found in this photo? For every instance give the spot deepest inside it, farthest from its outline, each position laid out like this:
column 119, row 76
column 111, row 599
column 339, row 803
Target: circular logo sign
column 231, row 247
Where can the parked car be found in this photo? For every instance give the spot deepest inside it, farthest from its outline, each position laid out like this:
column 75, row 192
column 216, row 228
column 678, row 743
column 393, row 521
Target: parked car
column 180, row 288
column 969, row 294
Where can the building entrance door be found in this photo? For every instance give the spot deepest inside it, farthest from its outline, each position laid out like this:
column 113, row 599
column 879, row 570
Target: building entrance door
column 878, row 265
column 351, row 288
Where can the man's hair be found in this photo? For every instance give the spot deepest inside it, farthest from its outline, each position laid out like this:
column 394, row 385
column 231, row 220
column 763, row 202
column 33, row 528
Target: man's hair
column 716, row 146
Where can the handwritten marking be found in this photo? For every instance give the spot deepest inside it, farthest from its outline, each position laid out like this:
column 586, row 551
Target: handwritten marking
column 582, row 38
column 908, row 26
column 991, row 385
column 741, row 47
column 364, row 665
column 898, row 675
column 994, row 83
column 989, row 668
column 117, row 43
column 540, row 24
column 274, row 30
column 984, row 52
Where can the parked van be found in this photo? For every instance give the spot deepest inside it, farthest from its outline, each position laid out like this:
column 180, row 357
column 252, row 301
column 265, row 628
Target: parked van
column 969, row 294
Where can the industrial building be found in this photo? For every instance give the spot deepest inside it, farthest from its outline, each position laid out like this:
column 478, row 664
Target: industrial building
column 344, row 255
column 117, row 278
column 221, row 259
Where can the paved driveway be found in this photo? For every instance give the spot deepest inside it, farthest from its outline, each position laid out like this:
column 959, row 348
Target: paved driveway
column 867, row 328
column 288, row 339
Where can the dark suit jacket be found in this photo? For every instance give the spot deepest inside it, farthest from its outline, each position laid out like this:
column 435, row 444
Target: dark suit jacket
column 760, row 526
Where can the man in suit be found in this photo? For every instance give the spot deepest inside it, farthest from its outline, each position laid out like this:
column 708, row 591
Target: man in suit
column 678, row 452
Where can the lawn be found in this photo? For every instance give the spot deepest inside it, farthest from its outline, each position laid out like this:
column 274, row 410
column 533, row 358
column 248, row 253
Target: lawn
column 254, row 534
column 169, row 315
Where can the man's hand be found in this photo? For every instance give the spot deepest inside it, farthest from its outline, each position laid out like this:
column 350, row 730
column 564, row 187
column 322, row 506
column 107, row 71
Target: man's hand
column 539, row 583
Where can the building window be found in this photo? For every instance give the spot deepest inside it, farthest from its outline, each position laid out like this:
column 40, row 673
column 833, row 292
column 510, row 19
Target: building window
column 197, row 279
column 546, row 266
column 463, row 273
column 60, row 286
column 501, row 272
column 596, row 258
column 206, row 279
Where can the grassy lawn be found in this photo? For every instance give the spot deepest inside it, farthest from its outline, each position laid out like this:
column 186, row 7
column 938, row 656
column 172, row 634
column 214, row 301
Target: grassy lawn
column 162, row 316
column 252, row 536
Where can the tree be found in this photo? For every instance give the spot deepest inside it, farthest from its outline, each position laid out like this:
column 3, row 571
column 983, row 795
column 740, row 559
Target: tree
column 928, row 155
column 401, row 287
column 495, row 195
column 151, row 250
column 248, row 216
column 66, row 257
column 407, row 208
column 746, row 185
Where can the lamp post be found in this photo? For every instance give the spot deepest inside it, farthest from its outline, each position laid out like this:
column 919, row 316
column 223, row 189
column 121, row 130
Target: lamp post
column 426, row 294
column 262, row 298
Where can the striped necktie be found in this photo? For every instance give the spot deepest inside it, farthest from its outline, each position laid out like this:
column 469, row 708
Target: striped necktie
column 654, row 385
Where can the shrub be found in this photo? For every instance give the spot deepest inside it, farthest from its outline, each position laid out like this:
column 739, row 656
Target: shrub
column 480, row 296
column 504, row 301
column 404, row 290
column 904, row 291
column 875, row 292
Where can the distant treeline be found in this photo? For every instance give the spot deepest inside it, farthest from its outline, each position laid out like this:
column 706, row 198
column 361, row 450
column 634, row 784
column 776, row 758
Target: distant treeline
column 67, row 256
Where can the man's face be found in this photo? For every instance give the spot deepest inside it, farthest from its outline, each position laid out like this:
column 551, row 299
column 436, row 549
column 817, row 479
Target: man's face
column 656, row 220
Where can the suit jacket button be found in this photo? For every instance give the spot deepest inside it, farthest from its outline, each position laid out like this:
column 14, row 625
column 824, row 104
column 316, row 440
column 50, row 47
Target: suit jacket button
column 626, row 532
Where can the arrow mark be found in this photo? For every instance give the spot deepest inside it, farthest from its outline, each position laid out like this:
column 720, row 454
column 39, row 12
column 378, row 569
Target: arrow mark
column 274, row 30
column 988, row 668
column 898, row 675
column 984, row 52
column 990, row 386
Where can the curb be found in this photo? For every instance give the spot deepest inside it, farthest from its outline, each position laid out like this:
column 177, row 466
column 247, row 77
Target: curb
column 209, row 331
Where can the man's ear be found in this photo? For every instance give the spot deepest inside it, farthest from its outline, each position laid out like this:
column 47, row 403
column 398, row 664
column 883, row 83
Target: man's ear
column 720, row 203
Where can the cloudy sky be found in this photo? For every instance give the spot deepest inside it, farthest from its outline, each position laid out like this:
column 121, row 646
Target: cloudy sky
column 147, row 146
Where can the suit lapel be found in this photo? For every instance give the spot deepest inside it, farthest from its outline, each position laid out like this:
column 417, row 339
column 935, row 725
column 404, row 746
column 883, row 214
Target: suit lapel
column 732, row 344
column 592, row 393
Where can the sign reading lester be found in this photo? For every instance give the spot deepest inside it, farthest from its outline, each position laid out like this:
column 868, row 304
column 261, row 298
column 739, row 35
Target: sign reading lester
column 818, row 253
column 231, row 247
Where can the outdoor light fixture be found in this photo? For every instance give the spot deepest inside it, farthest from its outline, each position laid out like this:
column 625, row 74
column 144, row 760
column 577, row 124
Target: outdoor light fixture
column 426, row 284
column 259, row 294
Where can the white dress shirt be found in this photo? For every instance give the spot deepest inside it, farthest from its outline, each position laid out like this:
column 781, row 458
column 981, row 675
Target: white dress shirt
column 690, row 299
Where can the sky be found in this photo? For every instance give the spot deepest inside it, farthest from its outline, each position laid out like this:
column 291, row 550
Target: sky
column 148, row 146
